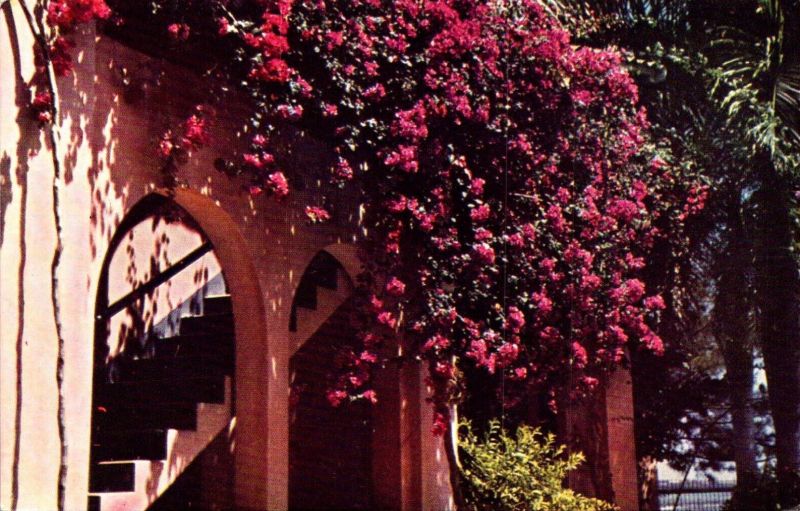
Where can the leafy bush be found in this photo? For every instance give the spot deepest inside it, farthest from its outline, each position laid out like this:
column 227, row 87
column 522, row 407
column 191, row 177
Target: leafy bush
column 524, row 472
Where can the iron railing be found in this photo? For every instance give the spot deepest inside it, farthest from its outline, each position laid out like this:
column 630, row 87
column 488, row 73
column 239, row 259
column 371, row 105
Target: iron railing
column 694, row 495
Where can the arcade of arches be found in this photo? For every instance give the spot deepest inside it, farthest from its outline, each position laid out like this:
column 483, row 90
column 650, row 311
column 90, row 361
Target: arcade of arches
column 175, row 329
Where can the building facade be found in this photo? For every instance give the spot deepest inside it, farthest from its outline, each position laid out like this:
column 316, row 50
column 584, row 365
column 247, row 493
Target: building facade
column 167, row 346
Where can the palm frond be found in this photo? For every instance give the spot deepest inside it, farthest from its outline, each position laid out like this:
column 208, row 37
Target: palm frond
column 787, row 102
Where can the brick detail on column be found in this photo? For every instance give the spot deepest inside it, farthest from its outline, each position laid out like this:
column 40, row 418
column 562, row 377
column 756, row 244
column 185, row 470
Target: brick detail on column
column 621, row 444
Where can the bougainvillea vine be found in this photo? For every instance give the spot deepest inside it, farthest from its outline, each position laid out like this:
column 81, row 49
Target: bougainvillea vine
column 511, row 195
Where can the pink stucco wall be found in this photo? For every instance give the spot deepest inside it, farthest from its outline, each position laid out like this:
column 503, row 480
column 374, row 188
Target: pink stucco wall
column 106, row 150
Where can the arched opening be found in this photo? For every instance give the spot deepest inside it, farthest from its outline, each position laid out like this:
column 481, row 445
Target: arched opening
column 177, row 306
column 330, row 448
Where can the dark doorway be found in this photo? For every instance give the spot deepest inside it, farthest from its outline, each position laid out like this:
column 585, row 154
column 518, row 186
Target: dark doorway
column 330, row 455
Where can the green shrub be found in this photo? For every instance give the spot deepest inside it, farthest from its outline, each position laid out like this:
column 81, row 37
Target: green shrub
column 521, row 473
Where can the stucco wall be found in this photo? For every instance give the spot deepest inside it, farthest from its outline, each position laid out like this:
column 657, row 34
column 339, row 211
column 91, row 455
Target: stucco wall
column 106, row 152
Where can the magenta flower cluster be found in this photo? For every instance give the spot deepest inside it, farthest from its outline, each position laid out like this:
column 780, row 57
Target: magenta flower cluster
column 512, row 195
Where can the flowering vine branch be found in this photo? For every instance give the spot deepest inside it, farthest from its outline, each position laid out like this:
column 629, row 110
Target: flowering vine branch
column 512, row 195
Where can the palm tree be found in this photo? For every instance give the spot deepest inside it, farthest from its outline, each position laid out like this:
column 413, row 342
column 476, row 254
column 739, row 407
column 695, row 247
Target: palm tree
column 749, row 51
column 757, row 83
column 733, row 328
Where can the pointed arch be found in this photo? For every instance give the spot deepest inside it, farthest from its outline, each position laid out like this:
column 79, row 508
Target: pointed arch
column 251, row 380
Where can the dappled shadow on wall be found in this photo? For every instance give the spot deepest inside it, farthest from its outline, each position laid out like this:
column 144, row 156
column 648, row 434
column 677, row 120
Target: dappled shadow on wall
column 163, row 391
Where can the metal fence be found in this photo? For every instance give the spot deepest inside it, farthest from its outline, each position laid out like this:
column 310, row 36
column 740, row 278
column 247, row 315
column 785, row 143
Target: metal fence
column 694, row 495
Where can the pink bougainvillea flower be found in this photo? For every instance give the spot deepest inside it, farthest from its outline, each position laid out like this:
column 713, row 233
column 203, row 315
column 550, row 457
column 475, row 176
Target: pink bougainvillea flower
column 195, row 131
column 278, row 184
column 317, row 214
column 178, row 31
column 395, row 287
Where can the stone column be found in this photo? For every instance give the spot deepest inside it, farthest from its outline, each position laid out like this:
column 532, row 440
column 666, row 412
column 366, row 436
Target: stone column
column 601, row 427
column 621, row 443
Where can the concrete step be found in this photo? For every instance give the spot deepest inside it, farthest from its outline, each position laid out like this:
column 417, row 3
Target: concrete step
column 208, row 388
column 156, row 414
column 307, row 321
column 208, row 324
column 161, row 368
column 218, row 304
column 112, row 477
column 132, row 444
column 217, row 346
column 154, row 477
column 322, row 273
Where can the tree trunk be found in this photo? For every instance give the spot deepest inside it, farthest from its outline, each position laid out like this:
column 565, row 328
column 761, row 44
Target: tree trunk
column 451, row 452
column 778, row 300
column 739, row 368
column 648, row 487
column 732, row 329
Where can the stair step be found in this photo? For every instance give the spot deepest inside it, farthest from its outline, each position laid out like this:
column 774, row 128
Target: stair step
column 200, row 389
column 185, row 492
column 323, row 271
column 112, row 477
column 217, row 347
column 220, row 304
column 162, row 368
column 125, row 445
column 306, row 294
column 293, row 319
column 149, row 414
column 217, row 324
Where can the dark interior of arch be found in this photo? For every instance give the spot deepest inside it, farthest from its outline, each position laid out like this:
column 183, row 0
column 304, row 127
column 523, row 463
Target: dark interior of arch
column 330, row 448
